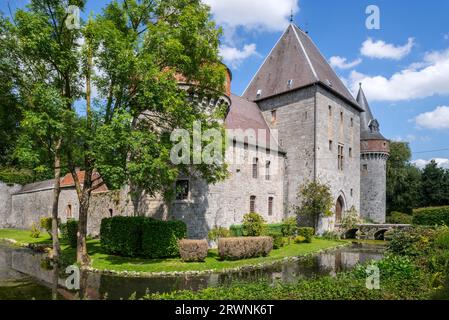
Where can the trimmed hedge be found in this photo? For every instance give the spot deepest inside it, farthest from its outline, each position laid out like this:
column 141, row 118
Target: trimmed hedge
column 193, row 250
column 122, row 235
column 399, row 218
column 307, row 233
column 237, row 230
column 141, row 237
column 69, row 232
column 244, row 247
column 431, row 216
column 160, row 238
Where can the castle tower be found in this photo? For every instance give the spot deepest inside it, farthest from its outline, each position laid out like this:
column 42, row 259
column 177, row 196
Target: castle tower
column 316, row 118
column 374, row 153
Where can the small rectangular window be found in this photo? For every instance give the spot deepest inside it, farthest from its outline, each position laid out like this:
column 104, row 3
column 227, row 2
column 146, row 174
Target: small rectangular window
column 69, row 212
column 331, row 145
column 267, row 171
column 341, row 157
column 352, row 122
column 270, row 206
column 365, row 168
column 330, row 111
column 252, row 204
column 182, row 190
column 255, row 168
column 350, row 152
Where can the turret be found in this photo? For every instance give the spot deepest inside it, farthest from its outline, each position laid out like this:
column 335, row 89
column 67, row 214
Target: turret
column 374, row 153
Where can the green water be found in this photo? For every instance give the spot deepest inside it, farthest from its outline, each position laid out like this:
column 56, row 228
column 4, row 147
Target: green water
column 22, row 276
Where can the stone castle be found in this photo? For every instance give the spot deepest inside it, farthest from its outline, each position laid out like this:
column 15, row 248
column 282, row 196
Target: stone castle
column 315, row 130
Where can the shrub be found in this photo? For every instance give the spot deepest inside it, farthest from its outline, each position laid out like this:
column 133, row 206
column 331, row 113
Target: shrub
column 69, row 232
column 193, row 250
column 253, row 225
column 350, row 219
column 435, row 216
column 278, row 240
column 399, row 218
column 237, row 230
column 35, row 232
column 300, row 239
column 122, row 235
column 289, row 227
column 442, row 238
column 218, row 233
column 160, row 238
column 47, row 225
column 307, row 233
column 244, row 248
column 331, row 235
column 414, row 242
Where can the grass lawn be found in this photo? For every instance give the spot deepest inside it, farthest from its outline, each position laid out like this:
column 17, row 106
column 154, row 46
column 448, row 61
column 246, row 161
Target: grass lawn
column 103, row 261
column 24, row 236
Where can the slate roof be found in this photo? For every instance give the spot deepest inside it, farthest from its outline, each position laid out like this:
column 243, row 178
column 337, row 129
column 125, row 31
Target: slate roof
column 245, row 114
column 295, row 58
column 66, row 182
column 37, row 186
column 368, row 131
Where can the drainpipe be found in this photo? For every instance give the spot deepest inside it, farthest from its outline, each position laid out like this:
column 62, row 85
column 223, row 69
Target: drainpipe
column 315, row 151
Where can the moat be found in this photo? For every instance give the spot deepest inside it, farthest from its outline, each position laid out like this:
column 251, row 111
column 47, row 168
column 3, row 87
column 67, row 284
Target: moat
column 24, row 275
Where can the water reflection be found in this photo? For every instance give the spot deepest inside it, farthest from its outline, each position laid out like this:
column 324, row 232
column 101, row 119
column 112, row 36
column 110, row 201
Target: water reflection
column 21, row 268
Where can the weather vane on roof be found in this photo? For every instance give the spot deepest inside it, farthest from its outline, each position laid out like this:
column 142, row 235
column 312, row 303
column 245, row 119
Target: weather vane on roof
column 291, row 16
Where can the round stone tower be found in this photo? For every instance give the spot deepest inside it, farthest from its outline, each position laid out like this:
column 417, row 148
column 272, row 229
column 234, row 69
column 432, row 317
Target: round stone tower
column 374, row 153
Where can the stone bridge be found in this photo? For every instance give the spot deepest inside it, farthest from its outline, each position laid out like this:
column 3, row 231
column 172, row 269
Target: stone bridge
column 372, row 231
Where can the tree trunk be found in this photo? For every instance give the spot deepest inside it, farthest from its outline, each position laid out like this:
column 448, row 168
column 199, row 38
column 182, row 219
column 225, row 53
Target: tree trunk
column 55, row 207
column 82, row 256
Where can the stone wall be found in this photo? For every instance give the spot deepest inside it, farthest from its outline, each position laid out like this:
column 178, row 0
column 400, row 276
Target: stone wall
column 225, row 203
column 295, row 118
column 6, row 192
column 373, row 185
column 28, row 208
column 344, row 183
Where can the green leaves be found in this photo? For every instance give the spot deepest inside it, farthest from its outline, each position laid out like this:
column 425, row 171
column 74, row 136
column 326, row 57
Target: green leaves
column 315, row 199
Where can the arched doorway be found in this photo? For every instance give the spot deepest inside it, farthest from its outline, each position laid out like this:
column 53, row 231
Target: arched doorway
column 339, row 207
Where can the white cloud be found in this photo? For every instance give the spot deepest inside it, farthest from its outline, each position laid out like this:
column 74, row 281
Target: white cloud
column 446, row 36
column 407, row 138
column 234, row 56
column 442, row 162
column 382, row 50
column 421, row 80
column 436, row 119
column 343, row 63
column 266, row 15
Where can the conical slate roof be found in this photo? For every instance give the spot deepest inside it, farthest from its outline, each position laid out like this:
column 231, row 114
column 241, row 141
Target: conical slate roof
column 369, row 126
column 293, row 63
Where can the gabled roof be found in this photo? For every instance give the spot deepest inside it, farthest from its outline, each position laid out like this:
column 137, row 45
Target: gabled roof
column 293, row 63
column 369, row 126
column 246, row 115
column 67, row 180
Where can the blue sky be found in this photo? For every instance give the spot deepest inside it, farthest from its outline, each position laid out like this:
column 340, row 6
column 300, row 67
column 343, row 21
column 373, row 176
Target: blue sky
column 404, row 66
